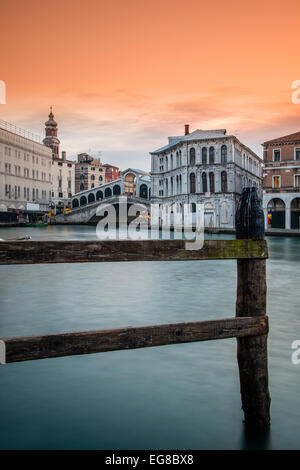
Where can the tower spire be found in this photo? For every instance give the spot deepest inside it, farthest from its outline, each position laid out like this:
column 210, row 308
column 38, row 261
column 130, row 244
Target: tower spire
column 51, row 139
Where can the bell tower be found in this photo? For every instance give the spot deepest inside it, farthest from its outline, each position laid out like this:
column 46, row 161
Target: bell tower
column 51, row 139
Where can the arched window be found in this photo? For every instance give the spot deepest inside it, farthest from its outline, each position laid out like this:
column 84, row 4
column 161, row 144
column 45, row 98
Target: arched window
column 171, row 164
column 192, row 183
column 204, row 156
column 177, row 159
column 224, row 154
column 99, row 195
column 167, row 188
column 211, row 182
column 172, row 186
column 180, row 185
column 91, row 198
column 204, row 182
column 93, row 177
column 192, row 156
column 211, row 155
column 81, row 187
column 224, row 182
column 75, row 203
column 166, row 163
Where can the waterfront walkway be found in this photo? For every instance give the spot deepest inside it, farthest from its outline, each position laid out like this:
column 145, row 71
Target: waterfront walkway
column 282, row 232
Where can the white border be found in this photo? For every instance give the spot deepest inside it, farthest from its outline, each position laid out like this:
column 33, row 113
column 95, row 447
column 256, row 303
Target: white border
column 2, row 352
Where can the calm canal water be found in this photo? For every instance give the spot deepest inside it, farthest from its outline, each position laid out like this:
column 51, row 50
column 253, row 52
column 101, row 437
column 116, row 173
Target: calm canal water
column 171, row 397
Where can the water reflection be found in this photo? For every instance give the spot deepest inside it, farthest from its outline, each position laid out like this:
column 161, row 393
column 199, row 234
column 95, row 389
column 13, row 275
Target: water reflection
column 177, row 397
column 255, row 440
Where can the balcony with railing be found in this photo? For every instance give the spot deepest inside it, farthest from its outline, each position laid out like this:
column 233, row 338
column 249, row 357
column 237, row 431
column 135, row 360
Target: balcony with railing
column 287, row 189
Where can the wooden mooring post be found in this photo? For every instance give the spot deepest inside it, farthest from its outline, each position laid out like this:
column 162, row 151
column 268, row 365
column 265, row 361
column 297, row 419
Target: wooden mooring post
column 249, row 326
column 252, row 352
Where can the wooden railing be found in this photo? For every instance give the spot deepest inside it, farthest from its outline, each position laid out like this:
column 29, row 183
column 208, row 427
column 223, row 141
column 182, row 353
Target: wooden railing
column 249, row 326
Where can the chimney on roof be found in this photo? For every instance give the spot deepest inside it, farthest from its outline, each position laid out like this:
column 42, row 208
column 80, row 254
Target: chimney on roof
column 64, row 155
column 186, row 129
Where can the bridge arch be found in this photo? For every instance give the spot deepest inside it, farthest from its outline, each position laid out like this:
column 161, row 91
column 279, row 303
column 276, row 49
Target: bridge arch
column 130, row 184
column 116, row 190
column 99, row 195
column 75, row 203
column 107, row 192
column 91, row 198
column 144, row 191
column 276, row 207
column 83, row 201
column 295, row 213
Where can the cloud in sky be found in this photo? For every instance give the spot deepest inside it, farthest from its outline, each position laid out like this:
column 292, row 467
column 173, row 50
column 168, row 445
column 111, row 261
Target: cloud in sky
column 122, row 79
column 125, row 125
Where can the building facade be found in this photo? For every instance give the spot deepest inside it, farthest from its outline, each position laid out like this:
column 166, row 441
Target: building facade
column 206, row 167
column 62, row 170
column 281, row 182
column 63, row 182
column 112, row 172
column 25, row 170
column 89, row 172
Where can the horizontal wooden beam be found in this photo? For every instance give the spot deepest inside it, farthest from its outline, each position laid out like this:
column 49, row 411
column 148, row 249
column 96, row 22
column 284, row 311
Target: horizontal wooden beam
column 88, row 342
column 35, row 252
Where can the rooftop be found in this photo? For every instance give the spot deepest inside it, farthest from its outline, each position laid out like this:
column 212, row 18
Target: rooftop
column 195, row 135
column 7, row 126
column 286, row 138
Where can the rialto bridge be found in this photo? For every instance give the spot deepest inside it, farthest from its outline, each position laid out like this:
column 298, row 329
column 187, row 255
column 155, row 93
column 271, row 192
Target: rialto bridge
column 134, row 184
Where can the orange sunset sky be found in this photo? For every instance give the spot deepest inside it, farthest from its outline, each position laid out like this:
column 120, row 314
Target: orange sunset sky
column 122, row 75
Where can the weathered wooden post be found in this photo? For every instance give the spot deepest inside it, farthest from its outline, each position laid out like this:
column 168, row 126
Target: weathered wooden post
column 251, row 301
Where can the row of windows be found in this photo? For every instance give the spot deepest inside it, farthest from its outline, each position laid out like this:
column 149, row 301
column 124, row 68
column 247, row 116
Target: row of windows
column 83, row 177
column 277, row 154
column 61, row 164
column 208, row 184
column 207, row 154
column 34, row 173
column 59, row 179
column 60, row 194
column 26, row 156
column 86, row 168
column 93, row 178
column 14, row 192
column 211, row 180
column 251, row 165
column 276, row 181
